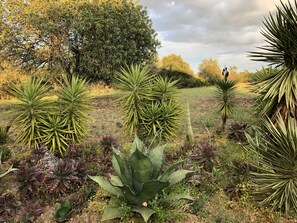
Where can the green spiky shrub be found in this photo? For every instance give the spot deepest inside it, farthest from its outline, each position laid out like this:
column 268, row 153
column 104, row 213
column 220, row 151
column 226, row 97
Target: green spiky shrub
column 160, row 118
column 275, row 153
column 73, row 101
column 149, row 103
column 139, row 180
column 31, row 111
column 225, row 93
column 279, row 90
column 137, row 84
column 56, row 124
column 55, row 134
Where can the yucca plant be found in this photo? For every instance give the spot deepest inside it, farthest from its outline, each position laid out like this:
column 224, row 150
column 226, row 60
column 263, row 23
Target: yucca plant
column 73, row 101
column 149, row 103
column 165, row 89
column 139, row 180
column 137, row 84
column 160, row 121
column 225, row 93
column 55, row 134
column 276, row 163
column 30, row 111
column 280, row 89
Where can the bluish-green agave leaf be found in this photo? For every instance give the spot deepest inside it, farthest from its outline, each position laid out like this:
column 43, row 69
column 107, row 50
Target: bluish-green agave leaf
column 141, row 168
column 145, row 212
column 107, row 186
column 176, row 197
column 112, row 213
column 178, row 176
column 122, row 167
column 137, row 144
column 151, row 188
column 116, row 181
column 130, row 197
column 165, row 175
column 157, row 157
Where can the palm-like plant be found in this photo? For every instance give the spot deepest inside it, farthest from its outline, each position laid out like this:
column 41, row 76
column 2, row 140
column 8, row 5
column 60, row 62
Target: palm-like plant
column 160, row 120
column 73, row 100
column 55, row 134
column 137, row 83
column 31, row 111
column 165, row 89
column 149, row 103
column 280, row 90
column 276, row 162
column 225, row 93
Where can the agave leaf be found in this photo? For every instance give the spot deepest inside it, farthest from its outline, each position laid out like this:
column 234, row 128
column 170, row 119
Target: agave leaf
column 116, row 181
column 151, row 188
column 142, row 169
column 165, row 175
column 107, row 186
column 112, row 213
column 157, row 158
column 137, row 144
column 178, row 176
column 122, row 167
column 145, row 212
column 130, row 196
column 175, row 197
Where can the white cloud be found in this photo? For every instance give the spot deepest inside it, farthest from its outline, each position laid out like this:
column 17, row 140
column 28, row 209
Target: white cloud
column 221, row 29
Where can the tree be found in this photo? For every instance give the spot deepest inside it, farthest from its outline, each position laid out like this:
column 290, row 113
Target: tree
column 173, row 66
column 279, row 89
column 225, row 93
column 210, row 70
column 91, row 39
column 176, row 63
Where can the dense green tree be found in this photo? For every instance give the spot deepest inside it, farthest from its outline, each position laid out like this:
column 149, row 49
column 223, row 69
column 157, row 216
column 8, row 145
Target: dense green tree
column 92, row 39
column 210, row 70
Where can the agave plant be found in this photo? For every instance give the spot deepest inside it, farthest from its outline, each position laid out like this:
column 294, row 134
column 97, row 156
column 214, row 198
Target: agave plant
column 225, row 93
column 279, row 90
column 276, row 164
column 138, row 179
column 73, row 100
column 30, row 112
column 137, row 83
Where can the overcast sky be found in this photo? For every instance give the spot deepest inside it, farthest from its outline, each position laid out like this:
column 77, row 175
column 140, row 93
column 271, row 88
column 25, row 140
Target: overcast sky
column 221, row 29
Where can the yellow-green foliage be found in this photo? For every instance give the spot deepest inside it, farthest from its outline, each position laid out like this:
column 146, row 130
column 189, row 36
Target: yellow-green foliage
column 10, row 75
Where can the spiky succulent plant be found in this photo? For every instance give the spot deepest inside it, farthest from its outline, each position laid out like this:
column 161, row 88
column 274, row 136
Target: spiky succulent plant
column 138, row 179
column 64, row 177
column 31, row 178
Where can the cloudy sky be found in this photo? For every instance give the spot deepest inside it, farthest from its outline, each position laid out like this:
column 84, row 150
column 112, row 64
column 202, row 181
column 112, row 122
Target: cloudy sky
column 221, row 29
